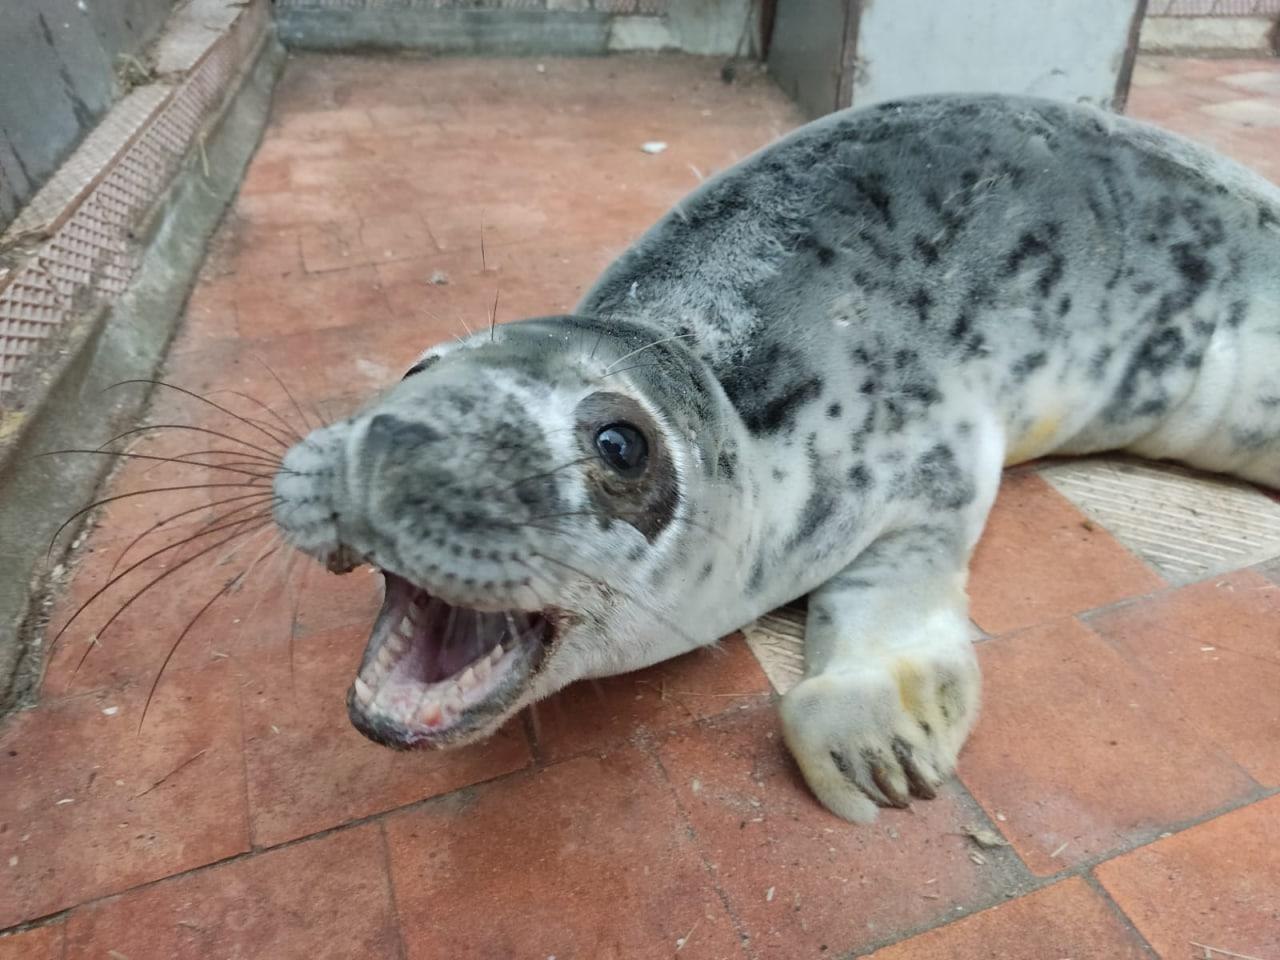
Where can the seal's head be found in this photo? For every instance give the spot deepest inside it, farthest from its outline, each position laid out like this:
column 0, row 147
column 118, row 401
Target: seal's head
column 520, row 491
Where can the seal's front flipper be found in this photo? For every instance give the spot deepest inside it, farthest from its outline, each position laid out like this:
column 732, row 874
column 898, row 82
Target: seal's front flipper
column 892, row 685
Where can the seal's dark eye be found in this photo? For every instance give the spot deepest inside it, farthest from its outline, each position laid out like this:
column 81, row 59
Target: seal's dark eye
column 623, row 447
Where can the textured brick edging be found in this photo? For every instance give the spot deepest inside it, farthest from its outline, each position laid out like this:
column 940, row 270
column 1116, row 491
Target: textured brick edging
column 75, row 242
column 93, row 283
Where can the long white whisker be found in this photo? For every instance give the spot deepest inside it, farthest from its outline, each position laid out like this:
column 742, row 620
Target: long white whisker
column 626, row 356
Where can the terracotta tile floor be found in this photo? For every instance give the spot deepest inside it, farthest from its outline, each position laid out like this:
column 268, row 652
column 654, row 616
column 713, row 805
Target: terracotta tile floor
column 1129, row 749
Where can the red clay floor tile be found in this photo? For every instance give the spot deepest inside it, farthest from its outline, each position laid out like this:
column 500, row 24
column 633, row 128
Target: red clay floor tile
column 1067, row 919
column 286, row 594
column 1083, row 754
column 1216, row 646
column 316, row 366
column 42, row 943
column 242, row 249
column 341, row 174
column 292, row 720
column 266, row 175
column 325, row 899
column 527, row 279
column 1040, row 558
column 92, row 805
column 442, row 291
column 459, row 226
column 211, row 308
column 132, row 649
column 220, row 462
column 413, row 117
column 332, row 246
column 1189, row 97
column 339, row 298
column 380, row 196
column 276, row 147
column 592, row 715
column 137, row 641
column 312, row 123
column 401, row 236
column 1213, row 884
column 585, row 860
column 291, row 208
column 803, row 882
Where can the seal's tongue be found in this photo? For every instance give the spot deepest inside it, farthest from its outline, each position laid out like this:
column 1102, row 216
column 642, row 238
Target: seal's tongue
column 428, row 662
column 436, row 640
column 447, row 638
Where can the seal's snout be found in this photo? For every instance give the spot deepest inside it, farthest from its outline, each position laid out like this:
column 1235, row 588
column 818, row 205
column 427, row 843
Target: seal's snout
column 443, row 473
column 494, row 490
column 304, row 508
column 420, row 490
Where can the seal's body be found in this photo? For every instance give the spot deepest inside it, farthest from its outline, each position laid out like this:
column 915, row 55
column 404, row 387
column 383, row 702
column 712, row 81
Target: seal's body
column 804, row 380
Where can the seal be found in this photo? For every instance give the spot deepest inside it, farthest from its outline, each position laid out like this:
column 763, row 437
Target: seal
column 803, row 381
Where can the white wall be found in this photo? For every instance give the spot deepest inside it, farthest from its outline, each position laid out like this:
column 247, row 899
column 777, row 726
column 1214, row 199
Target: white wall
column 1068, row 49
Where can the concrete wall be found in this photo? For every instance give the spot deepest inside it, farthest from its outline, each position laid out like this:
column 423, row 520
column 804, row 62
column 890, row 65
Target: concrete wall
column 1232, row 36
column 833, row 53
column 57, row 63
column 1065, row 49
column 712, row 27
column 806, row 52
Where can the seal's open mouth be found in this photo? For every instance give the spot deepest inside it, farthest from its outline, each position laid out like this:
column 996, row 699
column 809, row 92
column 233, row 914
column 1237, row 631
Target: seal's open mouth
column 434, row 673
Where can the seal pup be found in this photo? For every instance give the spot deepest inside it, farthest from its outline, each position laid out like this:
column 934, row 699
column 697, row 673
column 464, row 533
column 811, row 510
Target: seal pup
column 804, row 380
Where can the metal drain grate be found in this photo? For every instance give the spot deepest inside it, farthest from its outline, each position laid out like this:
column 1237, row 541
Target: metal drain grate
column 777, row 640
column 1186, row 525
column 90, row 212
column 45, row 212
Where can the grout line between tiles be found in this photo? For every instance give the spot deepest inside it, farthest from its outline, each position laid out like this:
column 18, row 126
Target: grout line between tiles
column 1019, row 882
column 1083, row 870
column 1028, row 882
column 402, row 950
column 254, row 851
column 744, row 938
column 62, row 917
column 249, row 825
column 537, row 759
column 1154, row 835
column 1125, row 921
column 1086, row 615
column 258, row 851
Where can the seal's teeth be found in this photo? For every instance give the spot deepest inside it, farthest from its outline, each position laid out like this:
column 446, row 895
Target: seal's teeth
column 430, row 715
column 395, row 643
column 467, row 680
column 453, row 700
column 406, row 625
column 496, row 654
column 364, row 692
column 483, row 669
column 385, row 657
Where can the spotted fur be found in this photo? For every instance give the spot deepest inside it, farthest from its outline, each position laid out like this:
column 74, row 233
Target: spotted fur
column 840, row 341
